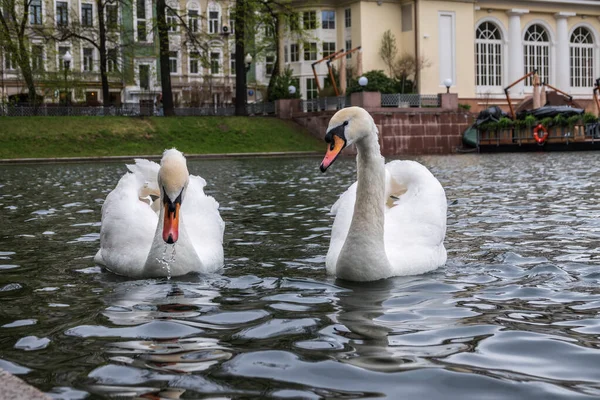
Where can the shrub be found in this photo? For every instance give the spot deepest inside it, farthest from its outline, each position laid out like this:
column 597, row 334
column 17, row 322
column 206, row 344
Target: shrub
column 530, row 121
column 465, row 107
column 573, row 120
column 280, row 89
column 505, row 123
column 589, row 118
column 559, row 120
column 546, row 122
column 378, row 82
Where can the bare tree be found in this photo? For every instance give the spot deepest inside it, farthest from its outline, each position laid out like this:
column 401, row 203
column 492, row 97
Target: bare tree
column 388, row 50
column 14, row 37
column 408, row 66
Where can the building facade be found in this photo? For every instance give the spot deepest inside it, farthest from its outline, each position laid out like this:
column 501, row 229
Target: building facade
column 482, row 46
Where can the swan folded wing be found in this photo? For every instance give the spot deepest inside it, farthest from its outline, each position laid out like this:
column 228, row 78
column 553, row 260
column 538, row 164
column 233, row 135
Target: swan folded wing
column 128, row 225
column 146, row 172
column 204, row 224
column 415, row 226
column 343, row 209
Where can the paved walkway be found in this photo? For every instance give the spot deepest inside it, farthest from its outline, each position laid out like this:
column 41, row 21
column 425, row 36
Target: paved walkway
column 158, row 157
column 13, row 388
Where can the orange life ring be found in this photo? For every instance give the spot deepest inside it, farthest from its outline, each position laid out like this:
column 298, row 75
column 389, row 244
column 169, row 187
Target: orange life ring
column 540, row 139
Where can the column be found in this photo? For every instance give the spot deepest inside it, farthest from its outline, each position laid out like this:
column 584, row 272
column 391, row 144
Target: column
column 562, row 57
column 516, row 68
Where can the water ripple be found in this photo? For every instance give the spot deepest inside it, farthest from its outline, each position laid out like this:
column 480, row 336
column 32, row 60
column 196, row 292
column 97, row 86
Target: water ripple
column 514, row 313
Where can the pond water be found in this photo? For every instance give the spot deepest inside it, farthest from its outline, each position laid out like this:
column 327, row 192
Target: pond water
column 514, row 313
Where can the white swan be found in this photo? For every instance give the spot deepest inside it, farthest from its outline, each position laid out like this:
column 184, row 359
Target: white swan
column 392, row 221
column 158, row 222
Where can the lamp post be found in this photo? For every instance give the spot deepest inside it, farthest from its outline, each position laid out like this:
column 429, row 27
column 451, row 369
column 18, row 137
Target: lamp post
column 247, row 64
column 363, row 81
column 292, row 89
column 447, row 83
column 67, row 58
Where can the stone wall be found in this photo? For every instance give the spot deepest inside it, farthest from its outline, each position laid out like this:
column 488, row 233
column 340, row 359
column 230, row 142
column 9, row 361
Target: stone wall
column 405, row 131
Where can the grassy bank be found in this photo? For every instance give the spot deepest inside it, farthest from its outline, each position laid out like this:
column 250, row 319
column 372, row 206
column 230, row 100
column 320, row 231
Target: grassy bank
column 37, row 137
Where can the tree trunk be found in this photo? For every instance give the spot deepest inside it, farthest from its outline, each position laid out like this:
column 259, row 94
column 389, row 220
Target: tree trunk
column 165, row 70
column 25, row 66
column 240, row 50
column 278, row 56
column 102, row 49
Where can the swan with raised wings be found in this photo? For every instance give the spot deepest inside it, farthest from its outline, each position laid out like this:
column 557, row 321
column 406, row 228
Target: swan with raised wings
column 392, row 220
column 158, row 222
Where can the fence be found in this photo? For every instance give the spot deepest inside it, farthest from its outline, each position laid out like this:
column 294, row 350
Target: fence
column 325, row 103
column 130, row 110
column 410, row 100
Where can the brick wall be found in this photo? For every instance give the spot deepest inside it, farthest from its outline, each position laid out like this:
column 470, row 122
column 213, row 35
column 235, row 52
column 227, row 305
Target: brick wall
column 405, row 131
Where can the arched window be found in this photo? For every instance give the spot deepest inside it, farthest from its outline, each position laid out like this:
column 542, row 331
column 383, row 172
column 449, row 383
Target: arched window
column 582, row 58
column 488, row 52
column 537, row 53
column 193, row 17
column 214, row 18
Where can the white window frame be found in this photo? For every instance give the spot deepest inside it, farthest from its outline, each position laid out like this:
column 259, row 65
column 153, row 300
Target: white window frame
column 489, row 59
column 316, row 51
column 580, row 48
column 109, row 61
column 83, row 62
column 214, row 25
column 56, row 14
column 40, row 44
column 532, row 50
column 151, row 63
column 106, row 22
column 452, row 61
column 313, row 89
column 348, row 17
column 194, row 6
column 172, row 20
column 232, row 64
column 81, row 4
column 297, row 53
column 177, row 59
column 42, row 9
column 305, row 21
column 328, row 21
column 220, row 60
column 146, row 20
column 331, row 51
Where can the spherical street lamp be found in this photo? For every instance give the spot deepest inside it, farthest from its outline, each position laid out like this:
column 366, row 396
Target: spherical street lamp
column 363, row 81
column 67, row 58
column 292, row 89
column 248, row 61
column 447, row 83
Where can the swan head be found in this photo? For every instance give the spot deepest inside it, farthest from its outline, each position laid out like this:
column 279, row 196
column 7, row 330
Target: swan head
column 173, row 178
column 347, row 126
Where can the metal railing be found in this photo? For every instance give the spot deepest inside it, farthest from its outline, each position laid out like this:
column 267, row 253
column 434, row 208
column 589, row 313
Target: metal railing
column 130, row 110
column 325, row 103
column 410, row 100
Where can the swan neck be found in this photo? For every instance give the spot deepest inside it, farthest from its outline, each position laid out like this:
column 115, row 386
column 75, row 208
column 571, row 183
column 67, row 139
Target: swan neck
column 363, row 256
column 370, row 191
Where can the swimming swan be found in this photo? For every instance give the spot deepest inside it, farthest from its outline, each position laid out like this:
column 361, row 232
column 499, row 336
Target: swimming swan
column 392, row 221
column 158, row 222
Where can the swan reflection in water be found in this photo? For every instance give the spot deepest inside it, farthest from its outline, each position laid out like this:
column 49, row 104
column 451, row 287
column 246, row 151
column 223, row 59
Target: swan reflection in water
column 168, row 340
column 381, row 322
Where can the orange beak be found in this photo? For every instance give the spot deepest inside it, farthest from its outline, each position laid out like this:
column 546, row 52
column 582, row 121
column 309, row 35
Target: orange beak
column 333, row 151
column 171, row 224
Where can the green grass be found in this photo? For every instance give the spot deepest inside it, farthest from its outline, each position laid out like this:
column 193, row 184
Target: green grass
column 41, row 137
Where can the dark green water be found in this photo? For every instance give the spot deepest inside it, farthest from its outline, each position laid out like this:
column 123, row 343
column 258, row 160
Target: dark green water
column 513, row 314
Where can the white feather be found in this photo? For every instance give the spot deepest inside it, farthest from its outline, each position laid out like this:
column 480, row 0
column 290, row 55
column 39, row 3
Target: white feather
column 131, row 235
